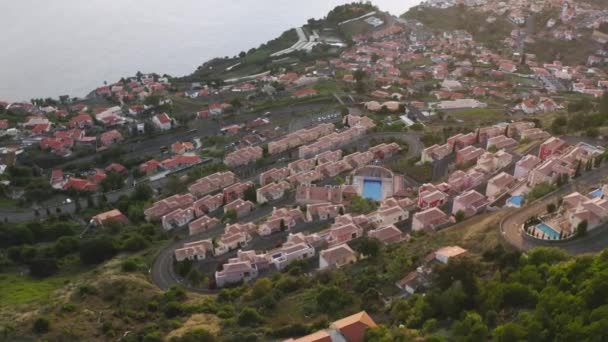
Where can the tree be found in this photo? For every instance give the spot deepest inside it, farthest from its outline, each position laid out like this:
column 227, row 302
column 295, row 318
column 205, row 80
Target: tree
column 551, row 208
column 249, row 317
column 142, row 192
column 369, row 247
column 236, row 103
column 113, row 181
column 360, row 205
column 581, row 228
column 250, row 194
column 195, row 277
column 460, row 216
column 97, row 250
column 470, row 328
column 230, row 215
column 332, row 299
column 135, row 242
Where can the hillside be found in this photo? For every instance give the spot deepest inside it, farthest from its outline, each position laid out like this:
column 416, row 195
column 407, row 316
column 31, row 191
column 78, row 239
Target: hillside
column 461, row 18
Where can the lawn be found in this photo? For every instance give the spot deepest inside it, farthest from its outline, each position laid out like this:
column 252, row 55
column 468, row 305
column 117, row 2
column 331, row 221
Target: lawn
column 19, row 289
column 478, row 114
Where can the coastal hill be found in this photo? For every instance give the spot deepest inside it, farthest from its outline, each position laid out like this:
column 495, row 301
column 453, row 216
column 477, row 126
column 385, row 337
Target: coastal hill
column 355, row 171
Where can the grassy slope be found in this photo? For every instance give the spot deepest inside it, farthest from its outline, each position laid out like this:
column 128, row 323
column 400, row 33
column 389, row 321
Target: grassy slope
column 458, row 18
column 119, row 298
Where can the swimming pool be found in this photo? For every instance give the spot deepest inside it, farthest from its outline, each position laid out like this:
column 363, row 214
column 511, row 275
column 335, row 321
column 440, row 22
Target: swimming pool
column 372, row 189
column 550, row 233
column 597, row 193
column 516, row 201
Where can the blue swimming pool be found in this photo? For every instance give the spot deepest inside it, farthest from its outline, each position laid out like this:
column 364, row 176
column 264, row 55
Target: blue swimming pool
column 550, row 233
column 372, row 189
column 597, row 193
column 516, row 201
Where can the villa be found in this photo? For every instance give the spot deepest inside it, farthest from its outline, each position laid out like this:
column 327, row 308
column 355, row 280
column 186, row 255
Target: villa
column 468, row 154
column 501, row 142
column 549, row 171
column 534, row 134
column 168, row 205
column 212, row 183
column 499, row 185
column 388, row 214
column 301, row 165
column 311, row 194
column 323, row 211
column 430, row 196
column 231, row 240
column 241, row 207
column 281, row 219
column 177, row 218
column 197, row 250
column 234, row 271
column 336, row 257
column 349, row 329
column 109, row 216
column 485, row 133
column 552, row 146
column 429, row 219
column 208, row 204
column 461, row 141
column 272, row 192
column 243, row 156
column 300, row 137
column 525, row 165
column 236, row 190
column 436, row 152
column 274, row 175
column 491, row 162
column 288, row 253
column 328, row 157
column 460, row 180
column 202, row 224
column 470, row 203
column 388, row 234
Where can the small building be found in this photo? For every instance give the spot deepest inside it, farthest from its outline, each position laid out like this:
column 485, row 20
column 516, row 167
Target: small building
column 429, row 219
column 336, row 257
column 197, row 250
column 444, row 254
column 162, row 121
column 109, row 216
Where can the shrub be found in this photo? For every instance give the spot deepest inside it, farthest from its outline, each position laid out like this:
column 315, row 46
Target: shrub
column 97, row 250
column 249, row 317
column 172, row 309
column 41, row 325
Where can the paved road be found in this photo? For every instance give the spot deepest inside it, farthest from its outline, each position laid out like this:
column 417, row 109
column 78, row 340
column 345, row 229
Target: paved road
column 595, row 241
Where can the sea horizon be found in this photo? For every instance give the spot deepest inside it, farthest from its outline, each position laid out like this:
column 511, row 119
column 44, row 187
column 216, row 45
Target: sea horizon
column 49, row 56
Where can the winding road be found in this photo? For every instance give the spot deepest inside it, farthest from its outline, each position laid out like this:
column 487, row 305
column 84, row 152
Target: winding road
column 594, row 241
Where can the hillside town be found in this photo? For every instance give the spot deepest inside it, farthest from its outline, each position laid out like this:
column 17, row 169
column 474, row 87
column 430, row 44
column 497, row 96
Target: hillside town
column 363, row 160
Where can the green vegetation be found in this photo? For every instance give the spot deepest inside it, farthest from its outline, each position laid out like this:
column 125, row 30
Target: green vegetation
column 525, row 298
column 349, row 11
column 21, row 289
column 461, row 18
column 360, row 205
column 539, row 191
column 421, row 172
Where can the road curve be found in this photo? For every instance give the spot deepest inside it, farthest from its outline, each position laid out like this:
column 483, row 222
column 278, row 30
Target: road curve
column 595, row 241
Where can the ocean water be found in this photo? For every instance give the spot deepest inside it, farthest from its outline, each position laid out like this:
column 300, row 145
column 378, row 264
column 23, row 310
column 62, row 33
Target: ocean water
column 51, row 48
